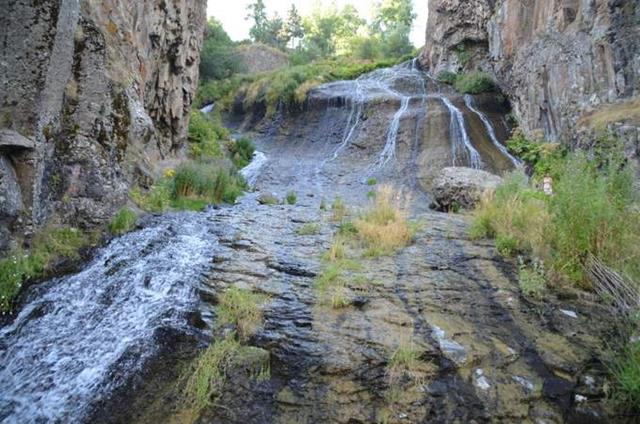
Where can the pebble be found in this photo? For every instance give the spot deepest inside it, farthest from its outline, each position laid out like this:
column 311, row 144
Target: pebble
column 569, row 313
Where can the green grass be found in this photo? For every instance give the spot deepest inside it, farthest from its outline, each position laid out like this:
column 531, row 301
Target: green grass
column 308, row 229
column 291, row 198
column 372, row 181
column 594, row 211
column 474, row 83
column 241, row 152
column 192, row 186
column 287, row 87
column 447, row 77
column 626, row 375
column 405, row 361
column 241, row 308
column 205, row 135
column 532, row 279
column 50, row 245
column 123, row 221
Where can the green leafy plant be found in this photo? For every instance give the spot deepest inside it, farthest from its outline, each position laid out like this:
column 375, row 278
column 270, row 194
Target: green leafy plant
column 123, row 221
column 291, row 198
column 474, row 83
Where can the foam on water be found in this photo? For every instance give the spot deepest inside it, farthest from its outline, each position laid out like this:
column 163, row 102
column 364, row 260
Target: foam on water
column 79, row 337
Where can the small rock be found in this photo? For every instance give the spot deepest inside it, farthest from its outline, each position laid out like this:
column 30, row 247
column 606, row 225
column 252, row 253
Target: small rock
column 580, row 399
column 359, row 301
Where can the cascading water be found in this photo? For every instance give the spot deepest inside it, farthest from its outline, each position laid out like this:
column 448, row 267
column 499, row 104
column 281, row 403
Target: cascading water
column 462, row 150
column 80, row 337
column 470, row 103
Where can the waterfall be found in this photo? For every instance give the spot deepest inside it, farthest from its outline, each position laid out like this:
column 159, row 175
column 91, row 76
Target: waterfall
column 469, row 101
column 80, row 337
column 461, row 146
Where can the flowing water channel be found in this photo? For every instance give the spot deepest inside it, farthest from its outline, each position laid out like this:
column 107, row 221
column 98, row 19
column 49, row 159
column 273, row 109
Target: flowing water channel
column 80, row 338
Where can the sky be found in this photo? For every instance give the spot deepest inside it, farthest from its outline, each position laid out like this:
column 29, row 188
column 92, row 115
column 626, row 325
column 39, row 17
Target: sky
column 232, row 14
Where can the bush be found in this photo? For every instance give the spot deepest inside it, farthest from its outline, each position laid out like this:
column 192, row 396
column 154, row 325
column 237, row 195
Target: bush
column 474, row 83
column 626, row 375
column 447, row 77
column 543, row 158
column 48, row 246
column 242, row 152
column 532, row 279
column 205, row 134
column 193, row 186
column 592, row 212
column 123, row 221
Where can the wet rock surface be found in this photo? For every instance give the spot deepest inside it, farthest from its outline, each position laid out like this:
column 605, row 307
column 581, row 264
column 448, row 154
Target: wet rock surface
column 486, row 354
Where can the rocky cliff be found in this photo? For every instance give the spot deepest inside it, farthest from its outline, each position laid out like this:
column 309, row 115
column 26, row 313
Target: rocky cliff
column 557, row 60
column 92, row 95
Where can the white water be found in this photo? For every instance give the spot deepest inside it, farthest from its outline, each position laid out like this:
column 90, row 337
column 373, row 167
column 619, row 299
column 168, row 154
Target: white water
column 80, row 337
column 251, row 172
column 208, row 108
column 463, row 152
column 468, row 100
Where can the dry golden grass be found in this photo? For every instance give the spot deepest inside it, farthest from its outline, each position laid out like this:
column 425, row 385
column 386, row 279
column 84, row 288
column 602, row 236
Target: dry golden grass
column 384, row 228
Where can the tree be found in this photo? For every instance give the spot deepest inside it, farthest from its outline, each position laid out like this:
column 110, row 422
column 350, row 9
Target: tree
column 293, row 26
column 393, row 21
column 258, row 14
column 218, row 59
column 275, row 33
column 392, row 14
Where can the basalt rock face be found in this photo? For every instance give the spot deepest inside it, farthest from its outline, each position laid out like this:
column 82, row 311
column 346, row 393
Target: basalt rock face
column 556, row 59
column 102, row 91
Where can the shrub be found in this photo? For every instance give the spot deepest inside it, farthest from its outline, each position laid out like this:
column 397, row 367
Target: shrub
column 291, row 198
column 543, row 158
column 372, row 181
column 447, row 77
column 474, row 83
column 50, row 245
column 204, row 135
column 241, row 308
column 532, row 279
column 626, row 375
column 242, row 152
column 516, row 216
column 123, row 221
column 212, row 182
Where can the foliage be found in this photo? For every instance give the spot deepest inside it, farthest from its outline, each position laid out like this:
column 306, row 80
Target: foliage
column 49, row 246
column 447, row 77
column 210, row 181
column 194, row 185
column 594, row 211
column 532, row 278
column 123, row 221
column 241, row 308
column 405, row 361
column 205, row 134
column 474, row 83
column 543, row 158
column 241, row 152
column 625, row 369
column 291, row 198
column 372, row 181
column 218, row 59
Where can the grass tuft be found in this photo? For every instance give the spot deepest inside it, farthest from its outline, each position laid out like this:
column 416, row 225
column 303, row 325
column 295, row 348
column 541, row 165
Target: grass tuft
column 308, row 229
column 291, row 198
column 123, row 221
column 241, row 308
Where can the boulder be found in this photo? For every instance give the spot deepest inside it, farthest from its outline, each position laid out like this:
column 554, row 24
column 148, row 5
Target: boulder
column 458, row 187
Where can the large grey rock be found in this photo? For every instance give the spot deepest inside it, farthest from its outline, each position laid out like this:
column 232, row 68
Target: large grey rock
column 458, row 187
